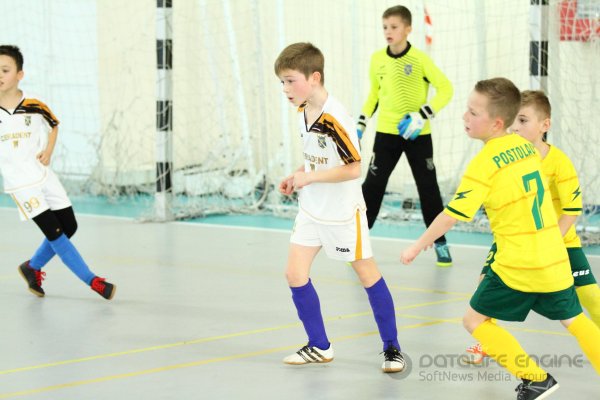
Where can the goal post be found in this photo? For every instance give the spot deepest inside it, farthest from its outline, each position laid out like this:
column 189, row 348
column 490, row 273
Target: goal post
column 234, row 136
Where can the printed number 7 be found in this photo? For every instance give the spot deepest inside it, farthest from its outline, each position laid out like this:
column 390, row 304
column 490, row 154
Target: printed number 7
column 539, row 197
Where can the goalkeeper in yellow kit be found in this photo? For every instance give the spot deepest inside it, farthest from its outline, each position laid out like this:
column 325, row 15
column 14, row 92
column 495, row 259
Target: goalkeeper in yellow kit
column 400, row 77
column 530, row 268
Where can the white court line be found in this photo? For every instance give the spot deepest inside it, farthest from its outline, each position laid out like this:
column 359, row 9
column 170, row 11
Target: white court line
column 276, row 230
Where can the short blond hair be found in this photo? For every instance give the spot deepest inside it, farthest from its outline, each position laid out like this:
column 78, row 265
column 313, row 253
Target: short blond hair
column 538, row 100
column 504, row 99
column 303, row 57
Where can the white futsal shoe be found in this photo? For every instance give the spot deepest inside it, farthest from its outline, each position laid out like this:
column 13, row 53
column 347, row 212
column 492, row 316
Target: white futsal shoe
column 307, row 355
column 393, row 361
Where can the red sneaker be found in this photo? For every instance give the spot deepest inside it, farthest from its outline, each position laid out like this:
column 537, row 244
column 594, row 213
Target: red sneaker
column 475, row 354
column 103, row 288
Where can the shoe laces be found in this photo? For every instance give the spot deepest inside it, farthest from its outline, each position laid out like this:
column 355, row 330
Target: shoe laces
column 392, row 354
column 39, row 277
column 476, row 348
column 98, row 284
column 522, row 390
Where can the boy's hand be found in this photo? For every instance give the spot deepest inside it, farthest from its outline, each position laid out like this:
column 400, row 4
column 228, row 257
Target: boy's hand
column 361, row 125
column 44, row 157
column 411, row 125
column 300, row 179
column 287, row 185
column 359, row 131
column 408, row 255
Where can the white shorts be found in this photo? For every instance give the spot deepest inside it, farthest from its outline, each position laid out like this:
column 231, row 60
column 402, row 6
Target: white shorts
column 50, row 195
column 349, row 242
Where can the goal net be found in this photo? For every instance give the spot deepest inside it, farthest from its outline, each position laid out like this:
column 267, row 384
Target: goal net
column 234, row 134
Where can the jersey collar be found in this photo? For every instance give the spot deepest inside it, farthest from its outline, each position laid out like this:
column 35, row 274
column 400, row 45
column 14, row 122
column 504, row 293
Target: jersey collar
column 18, row 105
column 389, row 52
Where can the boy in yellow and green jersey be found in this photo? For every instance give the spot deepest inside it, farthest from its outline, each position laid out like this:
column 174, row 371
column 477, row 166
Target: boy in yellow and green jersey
column 400, row 77
column 533, row 123
column 530, row 268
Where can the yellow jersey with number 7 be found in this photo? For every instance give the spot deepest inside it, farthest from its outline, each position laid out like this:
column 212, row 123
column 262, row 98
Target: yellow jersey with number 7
column 506, row 178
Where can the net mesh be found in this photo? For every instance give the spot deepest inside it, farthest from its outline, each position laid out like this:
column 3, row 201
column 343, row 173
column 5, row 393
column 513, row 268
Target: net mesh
column 234, row 135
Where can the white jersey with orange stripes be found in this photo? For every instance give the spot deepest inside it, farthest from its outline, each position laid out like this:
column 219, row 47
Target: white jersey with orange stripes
column 331, row 141
column 23, row 134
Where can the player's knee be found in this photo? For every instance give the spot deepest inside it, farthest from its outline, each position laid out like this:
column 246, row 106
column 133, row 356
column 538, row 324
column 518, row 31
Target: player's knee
column 71, row 229
column 367, row 271
column 54, row 234
column 295, row 279
column 469, row 323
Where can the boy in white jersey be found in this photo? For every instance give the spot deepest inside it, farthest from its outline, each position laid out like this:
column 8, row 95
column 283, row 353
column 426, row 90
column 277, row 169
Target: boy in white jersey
column 533, row 123
column 28, row 131
column 332, row 211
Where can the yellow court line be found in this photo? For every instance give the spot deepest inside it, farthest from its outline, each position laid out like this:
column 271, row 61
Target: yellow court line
column 456, row 299
column 147, row 349
column 143, row 372
column 510, row 328
column 435, row 291
column 209, row 339
column 349, row 282
column 408, row 307
column 422, row 317
column 545, row 332
column 430, row 321
column 192, row 364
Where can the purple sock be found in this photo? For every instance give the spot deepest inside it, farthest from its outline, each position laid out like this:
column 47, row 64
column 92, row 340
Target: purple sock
column 382, row 305
column 307, row 303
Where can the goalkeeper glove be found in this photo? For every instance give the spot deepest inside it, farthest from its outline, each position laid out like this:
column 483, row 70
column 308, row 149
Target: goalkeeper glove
column 361, row 125
column 412, row 124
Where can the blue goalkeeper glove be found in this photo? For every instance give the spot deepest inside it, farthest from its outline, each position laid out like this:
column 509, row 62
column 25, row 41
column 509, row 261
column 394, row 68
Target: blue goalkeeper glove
column 361, row 125
column 412, row 124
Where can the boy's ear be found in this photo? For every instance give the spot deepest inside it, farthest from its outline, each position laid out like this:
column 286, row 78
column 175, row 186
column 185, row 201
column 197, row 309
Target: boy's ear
column 546, row 125
column 20, row 74
column 316, row 76
column 499, row 124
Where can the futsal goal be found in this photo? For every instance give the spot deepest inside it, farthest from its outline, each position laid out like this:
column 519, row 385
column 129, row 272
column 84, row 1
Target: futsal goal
column 230, row 135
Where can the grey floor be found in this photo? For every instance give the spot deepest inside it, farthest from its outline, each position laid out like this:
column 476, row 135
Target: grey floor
column 203, row 312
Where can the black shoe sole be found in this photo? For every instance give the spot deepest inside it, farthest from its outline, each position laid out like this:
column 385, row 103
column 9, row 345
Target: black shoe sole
column 38, row 294
column 112, row 294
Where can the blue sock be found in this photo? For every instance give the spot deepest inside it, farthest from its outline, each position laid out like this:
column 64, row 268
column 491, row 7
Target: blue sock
column 309, row 310
column 382, row 305
column 42, row 255
column 72, row 259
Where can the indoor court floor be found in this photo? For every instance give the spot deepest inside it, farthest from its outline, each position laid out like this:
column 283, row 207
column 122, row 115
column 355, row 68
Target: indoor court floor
column 203, row 312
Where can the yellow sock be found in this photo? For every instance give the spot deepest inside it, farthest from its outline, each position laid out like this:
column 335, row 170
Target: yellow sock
column 589, row 297
column 507, row 351
column 588, row 336
column 493, row 321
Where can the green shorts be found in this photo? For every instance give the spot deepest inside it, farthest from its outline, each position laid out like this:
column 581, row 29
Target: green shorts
column 489, row 260
column 494, row 299
column 582, row 272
